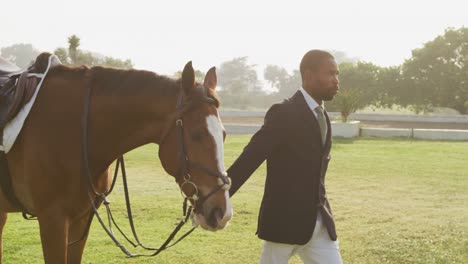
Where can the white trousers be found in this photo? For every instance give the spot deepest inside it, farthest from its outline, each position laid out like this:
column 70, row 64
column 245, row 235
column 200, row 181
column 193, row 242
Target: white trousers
column 319, row 250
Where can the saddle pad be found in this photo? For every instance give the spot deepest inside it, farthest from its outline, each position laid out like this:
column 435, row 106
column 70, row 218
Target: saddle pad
column 13, row 128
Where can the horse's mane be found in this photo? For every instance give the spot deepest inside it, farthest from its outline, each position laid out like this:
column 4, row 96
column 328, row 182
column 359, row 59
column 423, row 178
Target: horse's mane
column 117, row 79
column 165, row 86
column 106, row 80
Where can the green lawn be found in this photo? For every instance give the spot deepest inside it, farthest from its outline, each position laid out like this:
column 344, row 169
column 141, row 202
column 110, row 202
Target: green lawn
column 395, row 201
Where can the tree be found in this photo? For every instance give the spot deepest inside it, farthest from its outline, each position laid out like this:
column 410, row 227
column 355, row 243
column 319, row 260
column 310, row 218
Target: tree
column 62, row 54
column 358, row 88
column 86, row 58
column 388, row 82
column 20, row 54
column 347, row 102
column 118, row 63
column 73, row 44
column 275, row 75
column 437, row 73
column 78, row 57
column 239, row 83
column 282, row 81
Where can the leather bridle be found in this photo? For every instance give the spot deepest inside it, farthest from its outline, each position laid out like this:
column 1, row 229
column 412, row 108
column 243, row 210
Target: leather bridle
column 224, row 182
column 186, row 165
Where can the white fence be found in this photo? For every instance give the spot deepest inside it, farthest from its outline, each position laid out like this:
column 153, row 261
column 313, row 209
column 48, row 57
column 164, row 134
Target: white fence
column 430, row 134
column 458, row 119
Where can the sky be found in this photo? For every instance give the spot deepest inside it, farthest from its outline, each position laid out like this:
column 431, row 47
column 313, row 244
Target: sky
column 162, row 36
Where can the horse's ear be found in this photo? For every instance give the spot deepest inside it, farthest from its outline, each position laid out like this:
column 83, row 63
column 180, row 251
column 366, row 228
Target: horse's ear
column 188, row 78
column 210, row 79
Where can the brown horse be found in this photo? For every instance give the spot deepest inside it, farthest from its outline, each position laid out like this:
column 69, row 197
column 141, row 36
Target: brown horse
column 128, row 109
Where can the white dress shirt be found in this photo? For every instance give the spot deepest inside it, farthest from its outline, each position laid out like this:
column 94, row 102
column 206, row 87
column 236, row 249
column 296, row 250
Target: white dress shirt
column 312, row 104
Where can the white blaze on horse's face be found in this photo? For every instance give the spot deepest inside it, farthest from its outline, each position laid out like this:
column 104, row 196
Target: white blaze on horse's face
column 216, row 129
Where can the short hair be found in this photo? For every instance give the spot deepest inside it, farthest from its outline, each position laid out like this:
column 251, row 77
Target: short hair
column 312, row 60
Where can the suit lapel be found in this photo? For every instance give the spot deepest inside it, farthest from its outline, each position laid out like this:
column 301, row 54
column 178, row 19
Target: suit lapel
column 308, row 119
column 328, row 140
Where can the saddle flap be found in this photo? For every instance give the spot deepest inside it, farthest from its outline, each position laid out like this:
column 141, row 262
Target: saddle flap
column 24, row 91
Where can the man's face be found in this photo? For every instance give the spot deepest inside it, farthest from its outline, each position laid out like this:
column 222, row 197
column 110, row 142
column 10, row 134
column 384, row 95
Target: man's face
column 323, row 84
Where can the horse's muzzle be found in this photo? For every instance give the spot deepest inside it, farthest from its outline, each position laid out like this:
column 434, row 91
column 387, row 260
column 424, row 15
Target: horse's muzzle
column 214, row 218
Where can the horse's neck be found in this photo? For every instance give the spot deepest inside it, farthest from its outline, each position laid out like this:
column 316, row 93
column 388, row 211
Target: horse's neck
column 127, row 114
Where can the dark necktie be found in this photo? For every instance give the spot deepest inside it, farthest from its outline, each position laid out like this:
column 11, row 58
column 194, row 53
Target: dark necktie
column 322, row 123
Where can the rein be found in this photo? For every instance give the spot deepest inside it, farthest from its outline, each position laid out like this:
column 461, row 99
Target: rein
column 224, row 183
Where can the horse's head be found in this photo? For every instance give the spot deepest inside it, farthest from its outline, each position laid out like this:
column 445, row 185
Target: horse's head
column 193, row 152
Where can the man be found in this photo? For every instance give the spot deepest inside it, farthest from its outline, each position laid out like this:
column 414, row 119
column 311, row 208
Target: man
column 295, row 216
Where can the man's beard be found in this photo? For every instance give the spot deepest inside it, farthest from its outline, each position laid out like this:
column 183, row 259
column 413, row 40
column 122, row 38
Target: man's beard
column 329, row 96
column 323, row 92
column 328, row 93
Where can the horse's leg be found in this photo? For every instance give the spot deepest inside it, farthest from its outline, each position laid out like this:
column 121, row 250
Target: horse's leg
column 54, row 236
column 3, row 219
column 79, row 226
column 76, row 231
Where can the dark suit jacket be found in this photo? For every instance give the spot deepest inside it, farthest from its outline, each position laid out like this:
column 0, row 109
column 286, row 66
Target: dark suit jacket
column 296, row 166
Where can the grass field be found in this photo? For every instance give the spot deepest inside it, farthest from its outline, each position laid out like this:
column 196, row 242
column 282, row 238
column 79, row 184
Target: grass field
column 394, row 201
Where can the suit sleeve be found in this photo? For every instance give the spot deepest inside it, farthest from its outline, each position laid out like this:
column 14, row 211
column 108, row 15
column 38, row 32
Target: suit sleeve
column 260, row 146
